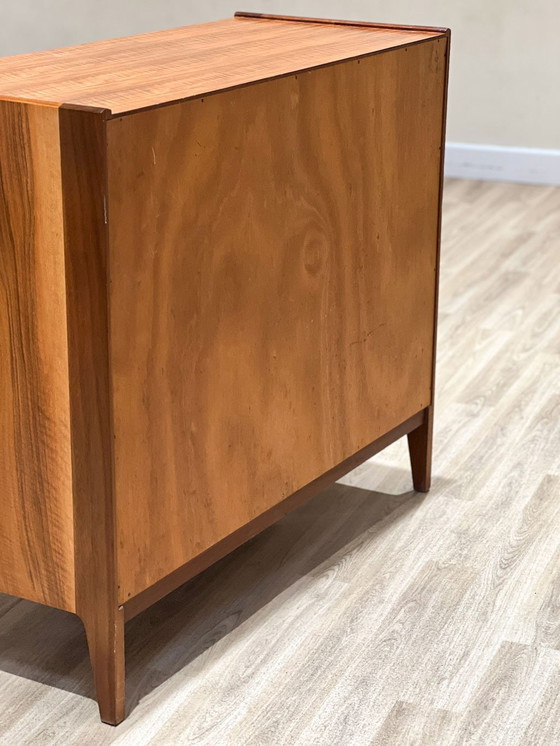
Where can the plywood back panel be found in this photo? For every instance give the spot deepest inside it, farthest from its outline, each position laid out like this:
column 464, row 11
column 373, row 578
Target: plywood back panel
column 151, row 69
column 272, row 263
column 36, row 525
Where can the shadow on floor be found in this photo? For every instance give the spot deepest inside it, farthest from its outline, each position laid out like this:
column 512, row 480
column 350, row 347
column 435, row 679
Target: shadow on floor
column 48, row 646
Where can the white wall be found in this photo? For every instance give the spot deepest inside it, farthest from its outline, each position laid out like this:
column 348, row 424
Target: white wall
column 505, row 75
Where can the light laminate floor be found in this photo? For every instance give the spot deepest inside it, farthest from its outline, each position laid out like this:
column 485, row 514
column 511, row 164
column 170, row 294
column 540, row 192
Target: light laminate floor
column 373, row 615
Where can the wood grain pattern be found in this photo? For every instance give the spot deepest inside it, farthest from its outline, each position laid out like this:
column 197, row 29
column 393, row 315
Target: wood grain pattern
column 263, row 521
column 36, row 532
column 84, row 176
column 410, row 725
column 153, row 69
column 270, row 240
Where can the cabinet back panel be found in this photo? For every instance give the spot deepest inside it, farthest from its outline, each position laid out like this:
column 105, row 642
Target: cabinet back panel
column 273, row 264
column 36, row 524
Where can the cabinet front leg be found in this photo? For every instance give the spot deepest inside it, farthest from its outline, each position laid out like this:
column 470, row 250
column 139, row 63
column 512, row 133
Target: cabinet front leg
column 420, row 449
column 105, row 637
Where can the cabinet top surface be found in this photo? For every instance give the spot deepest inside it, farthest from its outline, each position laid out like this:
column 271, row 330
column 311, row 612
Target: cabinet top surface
column 153, row 69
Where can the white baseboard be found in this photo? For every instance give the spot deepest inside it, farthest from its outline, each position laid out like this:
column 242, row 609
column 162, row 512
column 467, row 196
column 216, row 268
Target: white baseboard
column 496, row 163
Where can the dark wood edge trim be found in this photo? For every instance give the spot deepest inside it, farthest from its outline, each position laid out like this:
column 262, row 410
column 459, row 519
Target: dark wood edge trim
column 83, row 148
column 336, row 22
column 170, row 582
column 101, row 111
column 440, row 212
column 301, row 71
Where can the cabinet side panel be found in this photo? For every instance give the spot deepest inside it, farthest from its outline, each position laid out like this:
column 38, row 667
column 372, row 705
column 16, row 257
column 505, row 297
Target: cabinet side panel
column 36, row 524
column 273, row 264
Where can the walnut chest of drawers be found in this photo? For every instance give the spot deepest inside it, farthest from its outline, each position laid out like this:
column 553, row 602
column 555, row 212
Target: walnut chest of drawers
column 218, row 293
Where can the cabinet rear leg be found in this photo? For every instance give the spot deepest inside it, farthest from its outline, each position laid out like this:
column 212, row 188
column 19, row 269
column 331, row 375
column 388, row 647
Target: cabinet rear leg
column 420, row 449
column 105, row 637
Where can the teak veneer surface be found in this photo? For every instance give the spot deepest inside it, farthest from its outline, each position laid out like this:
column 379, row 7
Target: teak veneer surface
column 151, row 69
column 288, row 279
column 36, row 524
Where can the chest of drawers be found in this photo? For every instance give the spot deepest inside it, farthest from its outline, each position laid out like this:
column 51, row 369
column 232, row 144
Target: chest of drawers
column 218, row 290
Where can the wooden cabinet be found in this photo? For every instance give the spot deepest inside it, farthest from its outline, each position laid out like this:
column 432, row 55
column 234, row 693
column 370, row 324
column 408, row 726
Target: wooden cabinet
column 218, row 292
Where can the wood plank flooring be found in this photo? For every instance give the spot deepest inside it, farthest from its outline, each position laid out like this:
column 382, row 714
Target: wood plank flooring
column 374, row 615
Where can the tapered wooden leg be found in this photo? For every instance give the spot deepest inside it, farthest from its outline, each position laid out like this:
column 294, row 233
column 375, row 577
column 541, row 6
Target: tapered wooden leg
column 420, row 449
column 105, row 636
